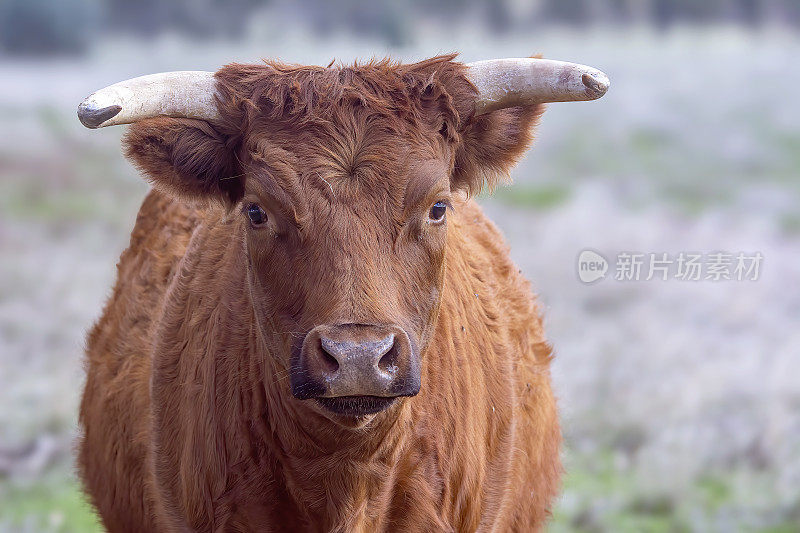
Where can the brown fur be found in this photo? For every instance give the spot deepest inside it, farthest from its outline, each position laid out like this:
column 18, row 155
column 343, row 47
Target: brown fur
column 188, row 420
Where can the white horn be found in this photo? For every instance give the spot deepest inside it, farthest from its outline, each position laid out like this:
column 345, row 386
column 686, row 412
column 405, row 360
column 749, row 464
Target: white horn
column 526, row 81
column 188, row 94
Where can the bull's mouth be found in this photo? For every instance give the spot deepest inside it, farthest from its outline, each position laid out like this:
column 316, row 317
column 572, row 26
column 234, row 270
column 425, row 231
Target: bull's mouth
column 356, row 405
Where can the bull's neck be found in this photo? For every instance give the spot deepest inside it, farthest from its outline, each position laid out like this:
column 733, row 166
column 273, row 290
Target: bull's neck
column 318, row 460
column 327, row 471
column 209, row 340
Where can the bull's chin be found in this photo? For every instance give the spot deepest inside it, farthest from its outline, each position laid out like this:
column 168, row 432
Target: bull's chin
column 356, row 406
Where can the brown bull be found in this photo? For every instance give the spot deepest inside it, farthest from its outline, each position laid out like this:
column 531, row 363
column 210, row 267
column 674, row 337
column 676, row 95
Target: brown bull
column 313, row 327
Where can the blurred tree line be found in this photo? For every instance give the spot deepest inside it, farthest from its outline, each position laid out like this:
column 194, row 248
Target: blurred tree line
column 69, row 26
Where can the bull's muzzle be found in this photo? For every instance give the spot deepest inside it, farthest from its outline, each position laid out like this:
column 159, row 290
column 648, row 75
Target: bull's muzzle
column 355, row 369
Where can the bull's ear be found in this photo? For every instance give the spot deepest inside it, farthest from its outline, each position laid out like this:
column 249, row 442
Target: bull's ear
column 491, row 144
column 186, row 158
column 486, row 145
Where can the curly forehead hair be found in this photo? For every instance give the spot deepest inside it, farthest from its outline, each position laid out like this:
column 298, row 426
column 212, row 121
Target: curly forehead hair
column 424, row 98
column 338, row 110
column 310, row 95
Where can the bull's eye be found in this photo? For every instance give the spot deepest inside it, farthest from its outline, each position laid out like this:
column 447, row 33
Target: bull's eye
column 437, row 211
column 256, row 215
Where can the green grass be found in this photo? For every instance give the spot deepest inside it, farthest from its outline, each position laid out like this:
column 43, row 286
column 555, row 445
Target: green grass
column 26, row 203
column 661, row 166
column 65, row 187
column 539, row 197
column 54, row 503
column 598, row 496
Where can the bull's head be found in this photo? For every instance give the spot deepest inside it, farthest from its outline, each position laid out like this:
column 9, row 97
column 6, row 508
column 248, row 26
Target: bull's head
column 338, row 182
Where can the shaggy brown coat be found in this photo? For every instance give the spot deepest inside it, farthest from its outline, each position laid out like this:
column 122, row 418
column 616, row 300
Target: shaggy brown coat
column 188, row 421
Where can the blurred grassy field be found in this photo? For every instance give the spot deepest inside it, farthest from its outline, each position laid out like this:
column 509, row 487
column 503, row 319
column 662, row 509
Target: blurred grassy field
column 680, row 403
column 53, row 503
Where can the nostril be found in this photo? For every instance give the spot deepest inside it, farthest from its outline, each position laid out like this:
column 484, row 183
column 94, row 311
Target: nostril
column 388, row 363
column 329, row 361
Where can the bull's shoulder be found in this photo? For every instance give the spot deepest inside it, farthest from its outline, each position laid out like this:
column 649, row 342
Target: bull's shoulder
column 115, row 405
column 479, row 257
column 157, row 243
column 491, row 352
column 480, row 242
